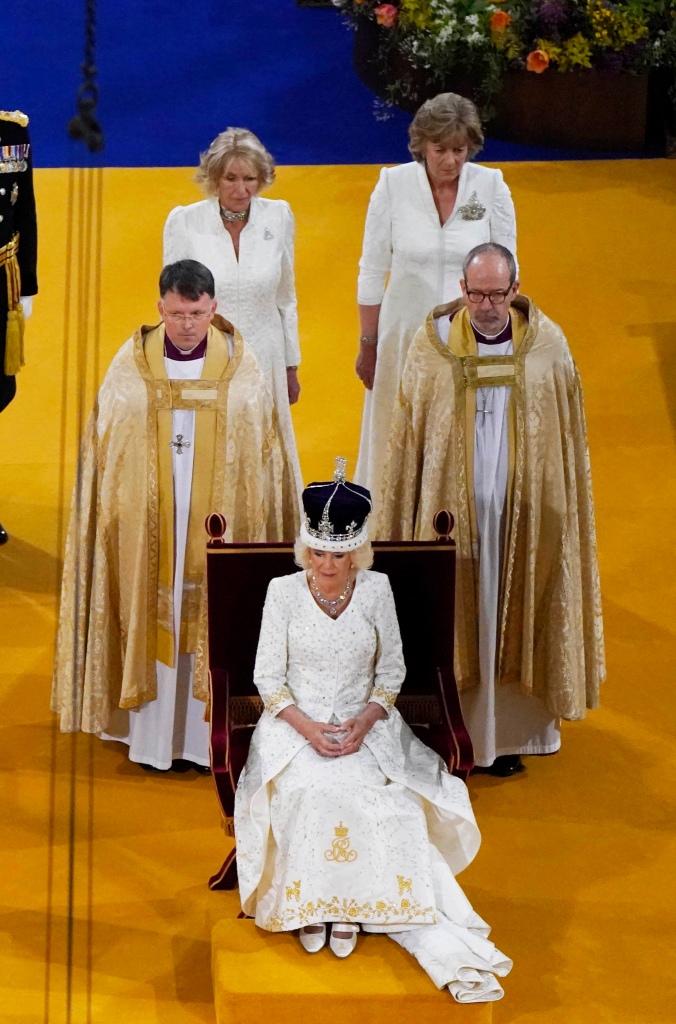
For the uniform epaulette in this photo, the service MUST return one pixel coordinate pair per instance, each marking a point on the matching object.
(14, 115)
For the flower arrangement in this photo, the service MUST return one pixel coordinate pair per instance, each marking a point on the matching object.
(479, 40)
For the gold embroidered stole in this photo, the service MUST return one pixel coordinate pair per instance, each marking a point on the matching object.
(485, 372)
(208, 397)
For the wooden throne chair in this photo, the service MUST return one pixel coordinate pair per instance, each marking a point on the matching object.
(422, 575)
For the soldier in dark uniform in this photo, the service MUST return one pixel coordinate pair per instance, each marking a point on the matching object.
(18, 249)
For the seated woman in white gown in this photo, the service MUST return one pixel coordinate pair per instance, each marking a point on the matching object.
(343, 817)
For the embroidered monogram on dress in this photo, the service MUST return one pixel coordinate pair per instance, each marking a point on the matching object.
(340, 851)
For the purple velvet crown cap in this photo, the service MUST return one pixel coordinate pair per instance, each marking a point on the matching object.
(336, 512)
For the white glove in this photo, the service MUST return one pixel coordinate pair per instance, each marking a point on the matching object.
(27, 305)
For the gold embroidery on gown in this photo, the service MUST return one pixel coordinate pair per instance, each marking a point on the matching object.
(340, 851)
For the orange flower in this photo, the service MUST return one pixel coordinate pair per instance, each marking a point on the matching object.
(500, 20)
(537, 61)
(386, 15)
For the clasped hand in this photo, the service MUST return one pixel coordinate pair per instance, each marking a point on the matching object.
(353, 732)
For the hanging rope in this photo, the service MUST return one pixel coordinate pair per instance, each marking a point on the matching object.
(84, 127)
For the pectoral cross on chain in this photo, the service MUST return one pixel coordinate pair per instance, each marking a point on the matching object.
(484, 411)
(179, 444)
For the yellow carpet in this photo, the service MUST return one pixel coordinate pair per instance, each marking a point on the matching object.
(262, 977)
(576, 873)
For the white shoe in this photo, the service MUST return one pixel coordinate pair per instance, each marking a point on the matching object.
(312, 942)
(341, 946)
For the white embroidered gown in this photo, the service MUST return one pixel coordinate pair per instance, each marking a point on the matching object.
(404, 239)
(374, 837)
(256, 291)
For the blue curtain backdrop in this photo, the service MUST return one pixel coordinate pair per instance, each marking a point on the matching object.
(172, 75)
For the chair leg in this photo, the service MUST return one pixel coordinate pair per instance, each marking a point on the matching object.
(226, 878)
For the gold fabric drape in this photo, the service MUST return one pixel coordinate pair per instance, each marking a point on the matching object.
(14, 352)
(116, 614)
(551, 628)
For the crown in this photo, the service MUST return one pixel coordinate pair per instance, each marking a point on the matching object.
(336, 512)
(341, 831)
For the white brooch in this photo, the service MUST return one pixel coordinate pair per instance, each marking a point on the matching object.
(473, 210)
(267, 234)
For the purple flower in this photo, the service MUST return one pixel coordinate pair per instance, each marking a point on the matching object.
(630, 54)
(617, 61)
(552, 16)
(610, 60)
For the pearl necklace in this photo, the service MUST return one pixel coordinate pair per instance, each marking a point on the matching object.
(331, 606)
(229, 215)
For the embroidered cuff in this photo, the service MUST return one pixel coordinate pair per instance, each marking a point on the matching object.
(276, 702)
(387, 699)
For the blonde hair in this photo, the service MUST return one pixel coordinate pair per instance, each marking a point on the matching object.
(360, 558)
(235, 143)
(445, 115)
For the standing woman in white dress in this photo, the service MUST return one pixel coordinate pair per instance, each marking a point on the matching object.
(343, 818)
(423, 219)
(247, 242)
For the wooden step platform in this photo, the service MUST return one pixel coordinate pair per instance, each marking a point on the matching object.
(265, 978)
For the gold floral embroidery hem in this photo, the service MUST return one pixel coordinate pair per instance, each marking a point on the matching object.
(405, 911)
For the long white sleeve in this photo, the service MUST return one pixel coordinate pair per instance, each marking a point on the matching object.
(503, 217)
(176, 244)
(271, 656)
(390, 669)
(376, 256)
(286, 293)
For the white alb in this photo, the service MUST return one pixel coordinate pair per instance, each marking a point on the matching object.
(500, 720)
(172, 726)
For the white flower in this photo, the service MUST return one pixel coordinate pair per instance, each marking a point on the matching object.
(472, 19)
(475, 37)
(447, 32)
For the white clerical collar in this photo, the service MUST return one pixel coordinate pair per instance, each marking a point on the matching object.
(490, 337)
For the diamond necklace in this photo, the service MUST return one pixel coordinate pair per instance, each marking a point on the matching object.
(331, 606)
(229, 215)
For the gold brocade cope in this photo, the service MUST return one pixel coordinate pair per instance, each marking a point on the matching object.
(14, 353)
(116, 611)
(550, 641)
(208, 398)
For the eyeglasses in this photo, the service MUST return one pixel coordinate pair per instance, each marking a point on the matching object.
(496, 298)
(186, 318)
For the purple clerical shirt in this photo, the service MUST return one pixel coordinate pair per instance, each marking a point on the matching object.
(172, 352)
(504, 335)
